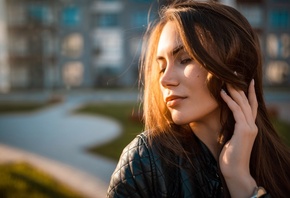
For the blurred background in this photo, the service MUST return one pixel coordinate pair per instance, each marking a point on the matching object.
(65, 64)
(52, 44)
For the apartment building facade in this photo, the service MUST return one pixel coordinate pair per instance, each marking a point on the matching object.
(97, 43)
(73, 43)
(271, 19)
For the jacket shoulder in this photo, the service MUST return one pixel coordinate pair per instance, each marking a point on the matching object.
(134, 170)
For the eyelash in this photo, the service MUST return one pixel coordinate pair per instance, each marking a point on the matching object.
(183, 62)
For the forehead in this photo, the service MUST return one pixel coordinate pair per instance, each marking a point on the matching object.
(169, 39)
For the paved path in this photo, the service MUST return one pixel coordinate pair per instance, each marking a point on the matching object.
(81, 181)
(55, 140)
(56, 133)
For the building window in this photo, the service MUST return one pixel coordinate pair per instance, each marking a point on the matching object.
(40, 14)
(71, 16)
(18, 46)
(279, 19)
(110, 47)
(278, 72)
(139, 19)
(17, 19)
(72, 45)
(278, 46)
(73, 74)
(107, 20)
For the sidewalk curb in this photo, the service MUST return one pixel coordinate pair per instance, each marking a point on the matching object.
(82, 182)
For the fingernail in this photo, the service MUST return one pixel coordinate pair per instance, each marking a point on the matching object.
(253, 82)
(224, 92)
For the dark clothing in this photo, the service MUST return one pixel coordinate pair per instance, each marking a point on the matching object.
(143, 171)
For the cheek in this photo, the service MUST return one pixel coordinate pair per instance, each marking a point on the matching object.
(195, 71)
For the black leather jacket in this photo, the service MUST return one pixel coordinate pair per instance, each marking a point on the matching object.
(143, 172)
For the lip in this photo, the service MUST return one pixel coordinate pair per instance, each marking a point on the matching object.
(173, 100)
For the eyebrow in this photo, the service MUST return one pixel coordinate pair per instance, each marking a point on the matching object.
(177, 49)
(174, 51)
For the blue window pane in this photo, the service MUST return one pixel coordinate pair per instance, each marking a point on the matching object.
(279, 19)
(107, 20)
(140, 19)
(38, 13)
(71, 16)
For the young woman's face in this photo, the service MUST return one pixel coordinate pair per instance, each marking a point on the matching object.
(183, 81)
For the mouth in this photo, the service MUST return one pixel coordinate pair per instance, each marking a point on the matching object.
(173, 100)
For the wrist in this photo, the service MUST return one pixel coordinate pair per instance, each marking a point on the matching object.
(241, 186)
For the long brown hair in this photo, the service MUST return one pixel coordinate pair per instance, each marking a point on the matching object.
(224, 43)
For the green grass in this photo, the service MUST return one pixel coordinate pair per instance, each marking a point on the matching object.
(21, 180)
(124, 114)
(283, 129)
(16, 107)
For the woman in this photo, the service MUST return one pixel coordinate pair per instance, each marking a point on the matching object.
(207, 130)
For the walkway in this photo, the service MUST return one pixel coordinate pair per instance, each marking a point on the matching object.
(55, 140)
(81, 181)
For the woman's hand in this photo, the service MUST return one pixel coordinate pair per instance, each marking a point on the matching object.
(234, 159)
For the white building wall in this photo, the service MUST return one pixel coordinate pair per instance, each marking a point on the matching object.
(110, 43)
(4, 68)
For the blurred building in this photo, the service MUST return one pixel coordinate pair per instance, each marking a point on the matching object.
(31, 42)
(47, 44)
(4, 67)
(73, 43)
(271, 19)
(117, 30)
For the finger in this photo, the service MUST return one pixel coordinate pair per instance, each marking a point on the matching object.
(240, 98)
(253, 99)
(234, 107)
(238, 95)
(245, 127)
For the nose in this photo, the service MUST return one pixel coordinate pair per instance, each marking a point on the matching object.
(169, 77)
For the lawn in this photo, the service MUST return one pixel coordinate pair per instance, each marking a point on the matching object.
(283, 129)
(16, 107)
(23, 180)
(122, 112)
(28, 106)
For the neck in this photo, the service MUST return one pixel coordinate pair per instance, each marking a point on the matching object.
(208, 133)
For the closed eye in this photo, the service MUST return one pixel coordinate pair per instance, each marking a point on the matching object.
(186, 61)
(161, 63)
